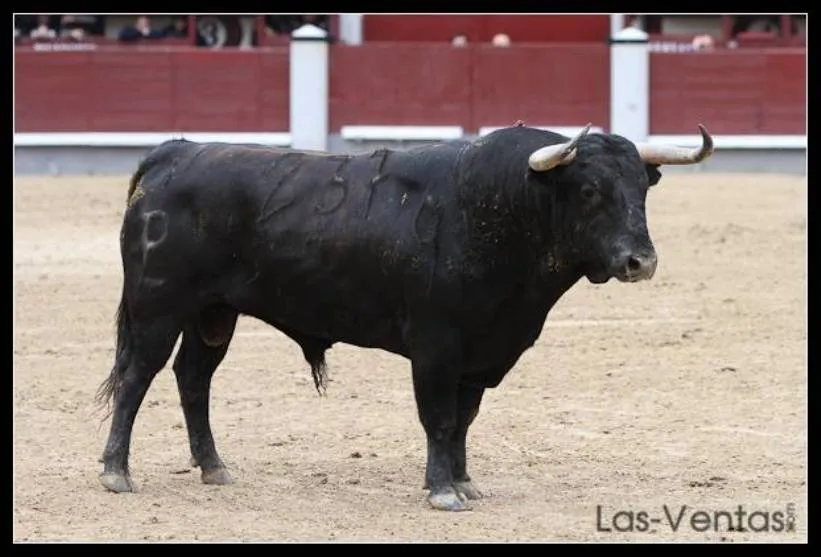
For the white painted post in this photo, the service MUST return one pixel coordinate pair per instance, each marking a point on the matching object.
(616, 24)
(309, 88)
(630, 84)
(350, 28)
(247, 25)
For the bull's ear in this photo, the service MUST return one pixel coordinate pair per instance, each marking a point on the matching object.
(653, 174)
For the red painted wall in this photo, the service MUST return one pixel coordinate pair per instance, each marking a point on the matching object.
(405, 84)
(52, 92)
(117, 89)
(534, 84)
(744, 91)
(481, 28)
(437, 84)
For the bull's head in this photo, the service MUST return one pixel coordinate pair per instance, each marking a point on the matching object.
(603, 181)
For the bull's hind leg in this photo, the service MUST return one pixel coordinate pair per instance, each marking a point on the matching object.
(149, 347)
(204, 345)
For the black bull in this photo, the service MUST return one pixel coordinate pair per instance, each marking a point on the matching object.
(450, 255)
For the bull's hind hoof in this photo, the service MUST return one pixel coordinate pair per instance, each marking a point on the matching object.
(116, 483)
(448, 499)
(216, 476)
(469, 490)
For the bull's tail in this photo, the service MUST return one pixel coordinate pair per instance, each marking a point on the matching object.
(165, 151)
(135, 179)
(111, 385)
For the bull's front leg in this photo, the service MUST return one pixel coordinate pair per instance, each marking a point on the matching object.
(468, 400)
(435, 384)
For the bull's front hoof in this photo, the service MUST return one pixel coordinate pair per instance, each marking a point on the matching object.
(117, 483)
(448, 499)
(469, 490)
(217, 476)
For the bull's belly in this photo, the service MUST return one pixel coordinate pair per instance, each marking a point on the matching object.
(330, 321)
(335, 308)
(488, 355)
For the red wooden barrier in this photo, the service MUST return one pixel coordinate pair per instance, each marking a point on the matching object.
(744, 91)
(120, 89)
(399, 84)
(52, 92)
(557, 85)
(437, 84)
(125, 89)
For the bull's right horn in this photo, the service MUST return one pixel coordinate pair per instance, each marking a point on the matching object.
(553, 155)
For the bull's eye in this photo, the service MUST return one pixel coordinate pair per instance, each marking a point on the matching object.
(589, 193)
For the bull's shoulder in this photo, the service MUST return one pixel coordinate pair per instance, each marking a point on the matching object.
(439, 150)
(426, 160)
(511, 137)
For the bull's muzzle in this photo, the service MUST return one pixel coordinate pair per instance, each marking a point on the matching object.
(635, 266)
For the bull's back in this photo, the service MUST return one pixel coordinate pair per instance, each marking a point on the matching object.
(329, 245)
(367, 216)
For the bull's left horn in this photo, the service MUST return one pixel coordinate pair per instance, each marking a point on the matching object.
(553, 155)
(671, 154)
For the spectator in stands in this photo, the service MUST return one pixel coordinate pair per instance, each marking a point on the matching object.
(23, 25)
(500, 39)
(320, 20)
(277, 25)
(44, 29)
(177, 28)
(459, 40)
(703, 42)
(284, 25)
(78, 26)
(140, 30)
(753, 22)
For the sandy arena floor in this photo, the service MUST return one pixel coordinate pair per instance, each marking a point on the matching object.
(688, 390)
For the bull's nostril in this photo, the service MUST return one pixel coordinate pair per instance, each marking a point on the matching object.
(633, 263)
